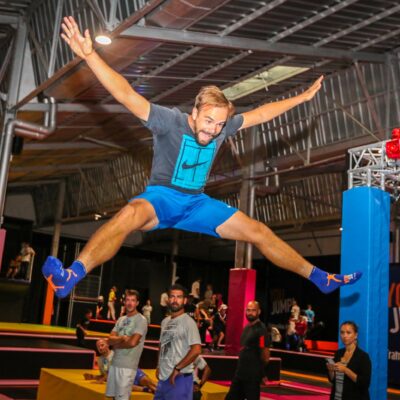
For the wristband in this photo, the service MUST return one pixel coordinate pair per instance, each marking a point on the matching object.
(146, 389)
(178, 369)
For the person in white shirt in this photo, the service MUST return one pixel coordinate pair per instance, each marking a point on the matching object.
(142, 382)
(195, 292)
(27, 255)
(164, 304)
(147, 310)
(295, 310)
(127, 340)
(180, 345)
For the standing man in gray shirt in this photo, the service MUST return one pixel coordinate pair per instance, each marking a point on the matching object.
(127, 340)
(179, 346)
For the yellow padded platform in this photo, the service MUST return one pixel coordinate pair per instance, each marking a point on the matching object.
(43, 329)
(69, 384)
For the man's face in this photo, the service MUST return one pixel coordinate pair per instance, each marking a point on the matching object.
(102, 347)
(208, 123)
(131, 302)
(176, 300)
(252, 311)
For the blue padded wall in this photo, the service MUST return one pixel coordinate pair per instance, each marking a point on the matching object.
(365, 247)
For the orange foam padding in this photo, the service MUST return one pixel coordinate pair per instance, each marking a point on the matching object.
(320, 345)
(48, 306)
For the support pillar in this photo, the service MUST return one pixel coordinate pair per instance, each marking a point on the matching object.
(16, 68)
(2, 243)
(242, 289)
(242, 281)
(49, 300)
(365, 247)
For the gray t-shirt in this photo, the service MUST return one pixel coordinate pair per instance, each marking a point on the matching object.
(177, 335)
(104, 363)
(179, 161)
(129, 358)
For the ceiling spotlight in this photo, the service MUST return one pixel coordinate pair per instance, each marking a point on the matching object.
(103, 39)
(97, 217)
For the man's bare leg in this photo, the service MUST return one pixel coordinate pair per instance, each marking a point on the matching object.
(103, 245)
(243, 228)
(107, 240)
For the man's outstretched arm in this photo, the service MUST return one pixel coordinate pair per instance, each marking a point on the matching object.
(114, 82)
(269, 111)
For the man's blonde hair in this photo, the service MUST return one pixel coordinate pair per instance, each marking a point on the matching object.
(213, 96)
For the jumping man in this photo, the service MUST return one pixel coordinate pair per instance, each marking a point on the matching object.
(185, 146)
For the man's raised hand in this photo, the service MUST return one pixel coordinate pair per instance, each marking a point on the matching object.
(82, 46)
(313, 89)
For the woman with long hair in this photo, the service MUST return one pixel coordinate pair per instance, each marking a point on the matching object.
(350, 370)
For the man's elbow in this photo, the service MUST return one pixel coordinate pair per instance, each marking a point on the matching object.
(197, 349)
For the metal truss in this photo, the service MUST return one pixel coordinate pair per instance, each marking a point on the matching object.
(370, 166)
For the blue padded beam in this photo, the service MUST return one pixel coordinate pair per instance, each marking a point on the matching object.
(365, 247)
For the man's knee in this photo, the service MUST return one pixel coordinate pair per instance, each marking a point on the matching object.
(259, 231)
(138, 212)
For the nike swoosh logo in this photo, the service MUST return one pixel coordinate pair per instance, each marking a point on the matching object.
(185, 165)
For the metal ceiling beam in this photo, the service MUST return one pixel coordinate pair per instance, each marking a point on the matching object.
(225, 32)
(210, 71)
(42, 146)
(59, 167)
(362, 24)
(287, 32)
(33, 183)
(190, 22)
(135, 17)
(6, 60)
(331, 38)
(315, 18)
(8, 19)
(238, 43)
(84, 108)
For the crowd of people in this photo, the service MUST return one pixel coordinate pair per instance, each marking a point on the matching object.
(181, 342)
(180, 347)
(208, 311)
(181, 370)
(300, 324)
(180, 350)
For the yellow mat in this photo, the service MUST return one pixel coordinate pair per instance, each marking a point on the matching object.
(43, 329)
(69, 384)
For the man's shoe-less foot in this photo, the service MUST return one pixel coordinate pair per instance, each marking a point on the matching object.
(327, 282)
(60, 279)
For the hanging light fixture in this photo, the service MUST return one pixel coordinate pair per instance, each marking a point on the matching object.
(103, 38)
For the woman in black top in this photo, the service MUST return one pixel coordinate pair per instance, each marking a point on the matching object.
(351, 371)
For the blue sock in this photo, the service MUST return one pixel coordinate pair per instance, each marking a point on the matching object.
(60, 279)
(327, 282)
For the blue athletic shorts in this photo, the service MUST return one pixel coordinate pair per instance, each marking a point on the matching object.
(139, 375)
(190, 212)
(182, 390)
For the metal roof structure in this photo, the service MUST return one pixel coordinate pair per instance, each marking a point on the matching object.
(168, 49)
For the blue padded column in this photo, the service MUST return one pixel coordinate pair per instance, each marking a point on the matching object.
(365, 247)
